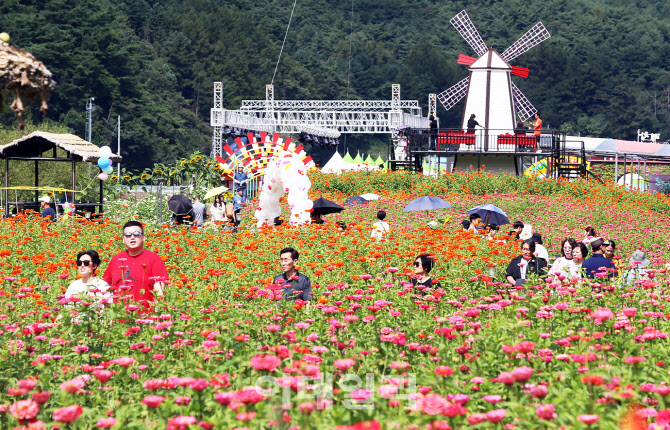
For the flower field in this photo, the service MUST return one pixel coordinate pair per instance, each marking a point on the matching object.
(220, 352)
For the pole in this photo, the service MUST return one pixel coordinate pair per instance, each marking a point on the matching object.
(616, 167)
(118, 146)
(89, 117)
(160, 200)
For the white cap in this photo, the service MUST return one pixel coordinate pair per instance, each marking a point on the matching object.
(45, 199)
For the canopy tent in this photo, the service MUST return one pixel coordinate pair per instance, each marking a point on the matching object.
(33, 148)
(347, 158)
(335, 165)
(358, 159)
(369, 161)
(338, 164)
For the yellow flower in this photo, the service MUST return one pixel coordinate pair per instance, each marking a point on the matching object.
(198, 157)
(114, 178)
(159, 171)
(193, 160)
(183, 163)
(217, 166)
(50, 194)
(127, 178)
(144, 176)
(208, 164)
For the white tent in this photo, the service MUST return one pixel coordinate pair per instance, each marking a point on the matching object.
(336, 164)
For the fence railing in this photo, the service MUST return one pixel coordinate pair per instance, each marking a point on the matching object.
(480, 140)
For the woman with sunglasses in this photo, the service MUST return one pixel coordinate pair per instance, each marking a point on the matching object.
(421, 279)
(88, 288)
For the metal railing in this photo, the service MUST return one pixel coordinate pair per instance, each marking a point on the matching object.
(482, 141)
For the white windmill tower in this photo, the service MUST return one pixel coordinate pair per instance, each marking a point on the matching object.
(489, 91)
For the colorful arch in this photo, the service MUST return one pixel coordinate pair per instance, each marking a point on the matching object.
(257, 153)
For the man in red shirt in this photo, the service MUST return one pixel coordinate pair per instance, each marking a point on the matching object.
(136, 271)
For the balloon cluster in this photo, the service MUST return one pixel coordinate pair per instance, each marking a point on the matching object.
(68, 210)
(104, 162)
(285, 174)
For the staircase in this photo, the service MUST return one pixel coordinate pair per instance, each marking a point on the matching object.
(569, 164)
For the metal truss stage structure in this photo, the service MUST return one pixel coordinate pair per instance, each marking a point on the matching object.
(319, 117)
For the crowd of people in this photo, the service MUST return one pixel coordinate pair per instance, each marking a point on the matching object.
(139, 275)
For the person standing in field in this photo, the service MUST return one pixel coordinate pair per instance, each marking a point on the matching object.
(136, 270)
(199, 210)
(537, 126)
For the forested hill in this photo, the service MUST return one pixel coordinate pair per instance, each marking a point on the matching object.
(604, 72)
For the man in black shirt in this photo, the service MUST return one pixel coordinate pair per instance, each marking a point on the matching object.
(295, 285)
(433, 132)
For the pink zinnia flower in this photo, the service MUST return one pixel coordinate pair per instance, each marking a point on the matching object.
(306, 408)
(361, 395)
(476, 419)
(265, 362)
(41, 397)
(106, 423)
(432, 404)
(73, 385)
(506, 378)
(68, 414)
(496, 415)
(546, 412)
(344, 364)
(444, 370)
(588, 419)
(124, 361)
(153, 401)
(182, 421)
(522, 374)
(602, 314)
(492, 398)
(24, 409)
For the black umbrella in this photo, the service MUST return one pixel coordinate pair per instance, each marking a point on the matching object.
(355, 200)
(180, 204)
(325, 207)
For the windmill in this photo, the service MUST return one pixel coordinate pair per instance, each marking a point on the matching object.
(489, 91)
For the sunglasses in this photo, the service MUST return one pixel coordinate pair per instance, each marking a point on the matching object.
(84, 262)
(417, 264)
(135, 233)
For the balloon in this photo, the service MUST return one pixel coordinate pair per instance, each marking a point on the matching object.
(110, 162)
(105, 152)
(103, 162)
(108, 170)
(103, 176)
(283, 175)
(4, 37)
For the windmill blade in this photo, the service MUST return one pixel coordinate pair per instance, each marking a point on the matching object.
(533, 37)
(454, 94)
(466, 28)
(524, 108)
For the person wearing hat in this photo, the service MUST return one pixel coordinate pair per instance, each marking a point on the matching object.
(465, 224)
(593, 265)
(47, 211)
(540, 250)
(638, 264)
